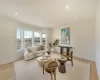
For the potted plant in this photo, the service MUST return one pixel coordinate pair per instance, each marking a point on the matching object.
(53, 45)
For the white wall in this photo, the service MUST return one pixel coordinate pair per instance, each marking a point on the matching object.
(8, 27)
(49, 37)
(7, 40)
(82, 35)
(98, 39)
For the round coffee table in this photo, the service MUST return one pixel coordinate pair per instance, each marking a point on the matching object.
(62, 67)
(42, 60)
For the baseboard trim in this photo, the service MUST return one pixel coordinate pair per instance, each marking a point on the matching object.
(83, 60)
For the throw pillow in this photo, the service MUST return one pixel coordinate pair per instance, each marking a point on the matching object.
(42, 47)
(29, 50)
(38, 48)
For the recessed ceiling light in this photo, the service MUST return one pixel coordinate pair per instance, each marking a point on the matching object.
(67, 7)
(16, 13)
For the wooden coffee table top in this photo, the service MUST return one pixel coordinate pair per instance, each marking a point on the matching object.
(43, 59)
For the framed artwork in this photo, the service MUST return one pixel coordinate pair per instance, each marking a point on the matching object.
(65, 36)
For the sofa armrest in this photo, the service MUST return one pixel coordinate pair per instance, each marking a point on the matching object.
(29, 54)
(25, 53)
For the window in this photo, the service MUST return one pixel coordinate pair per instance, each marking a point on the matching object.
(44, 39)
(36, 38)
(18, 39)
(27, 38)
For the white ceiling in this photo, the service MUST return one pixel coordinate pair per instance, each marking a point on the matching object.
(49, 13)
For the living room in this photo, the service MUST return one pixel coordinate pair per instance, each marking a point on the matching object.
(28, 24)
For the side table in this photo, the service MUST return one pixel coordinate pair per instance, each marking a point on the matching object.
(62, 67)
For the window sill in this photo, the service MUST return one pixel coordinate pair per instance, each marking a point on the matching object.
(19, 50)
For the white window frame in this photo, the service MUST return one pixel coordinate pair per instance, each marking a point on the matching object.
(45, 38)
(33, 43)
(21, 35)
(40, 36)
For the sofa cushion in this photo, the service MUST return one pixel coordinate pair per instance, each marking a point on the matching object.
(38, 48)
(42, 47)
(32, 49)
(29, 51)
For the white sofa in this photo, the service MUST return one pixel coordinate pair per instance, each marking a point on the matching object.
(33, 53)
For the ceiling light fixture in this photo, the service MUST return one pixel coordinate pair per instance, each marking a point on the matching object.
(67, 7)
(16, 13)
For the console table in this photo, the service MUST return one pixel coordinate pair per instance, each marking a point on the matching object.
(67, 49)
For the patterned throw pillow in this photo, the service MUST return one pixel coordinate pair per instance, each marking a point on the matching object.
(29, 50)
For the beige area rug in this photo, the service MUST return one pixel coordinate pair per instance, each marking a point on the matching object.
(30, 70)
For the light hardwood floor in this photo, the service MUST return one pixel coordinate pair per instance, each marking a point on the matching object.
(93, 71)
(7, 71)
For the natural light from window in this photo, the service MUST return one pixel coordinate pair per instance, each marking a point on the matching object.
(28, 38)
(18, 39)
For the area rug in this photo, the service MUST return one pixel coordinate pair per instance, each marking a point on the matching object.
(30, 70)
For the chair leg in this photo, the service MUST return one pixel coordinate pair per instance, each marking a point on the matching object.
(54, 75)
(43, 69)
(51, 76)
(72, 62)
